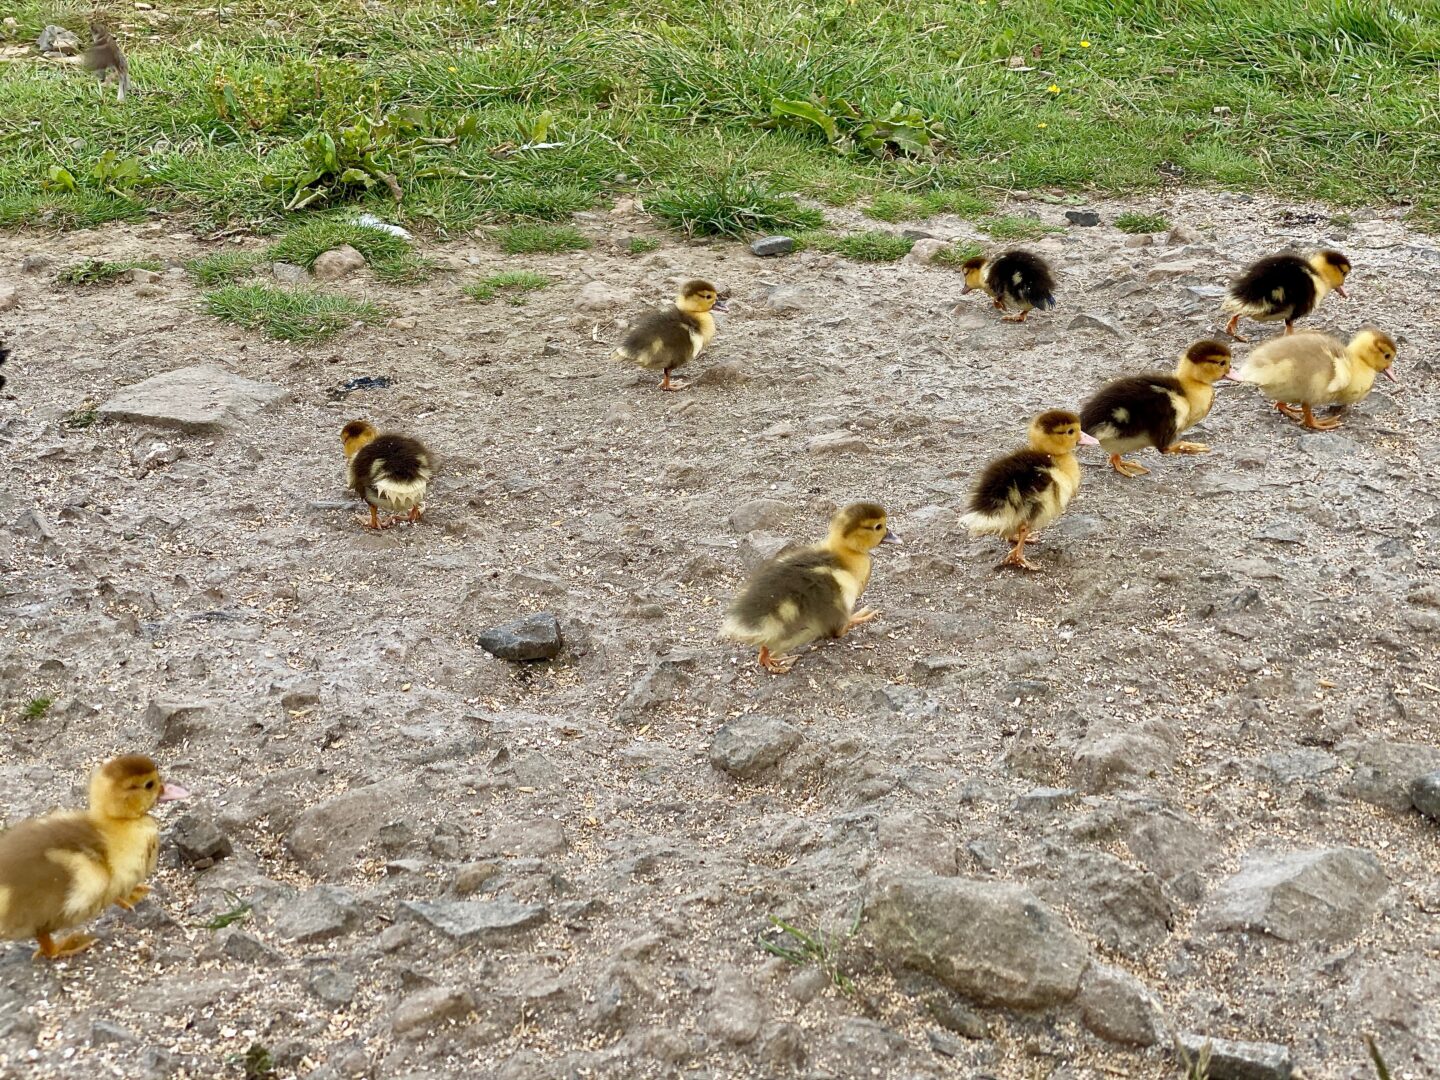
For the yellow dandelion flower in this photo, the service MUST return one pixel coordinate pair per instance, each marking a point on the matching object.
(1084, 44)
(1042, 124)
(453, 68)
(1053, 88)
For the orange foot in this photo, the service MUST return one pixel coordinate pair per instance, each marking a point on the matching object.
(864, 615)
(133, 897)
(1308, 418)
(776, 665)
(666, 384)
(1232, 328)
(1016, 318)
(373, 521)
(1127, 468)
(58, 950)
(1185, 448)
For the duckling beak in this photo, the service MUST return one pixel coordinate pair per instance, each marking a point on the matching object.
(1088, 440)
(1390, 375)
(890, 537)
(1233, 376)
(1340, 290)
(966, 291)
(721, 305)
(173, 793)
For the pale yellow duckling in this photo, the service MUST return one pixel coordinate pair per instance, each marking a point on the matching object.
(63, 869)
(1314, 369)
(670, 337)
(804, 595)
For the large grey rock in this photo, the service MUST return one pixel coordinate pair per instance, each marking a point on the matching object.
(337, 263)
(1324, 895)
(1425, 794)
(426, 1009)
(1241, 1060)
(317, 914)
(1384, 771)
(200, 398)
(768, 246)
(748, 746)
(1123, 908)
(199, 840)
(1104, 762)
(735, 1012)
(535, 637)
(327, 839)
(990, 941)
(1083, 218)
(56, 39)
(1117, 1006)
(474, 920)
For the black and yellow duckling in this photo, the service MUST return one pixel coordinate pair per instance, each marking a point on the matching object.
(4, 355)
(1019, 494)
(1153, 410)
(1316, 369)
(390, 472)
(1017, 279)
(1285, 287)
(804, 595)
(63, 869)
(670, 337)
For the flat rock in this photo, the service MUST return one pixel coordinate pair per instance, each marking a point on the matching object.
(56, 39)
(201, 398)
(1241, 1060)
(337, 263)
(1083, 218)
(474, 920)
(990, 941)
(1323, 895)
(199, 840)
(768, 246)
(535, 637)
(533, 838)
(924, 250)
(1425, 794)
(1095, 322)
(327, 839)
(1169, 271)
(759, 514)
(597, 296)
(317, 914)
(749, 745)
(837, 442)
(799, 298)
(1119, 1008)
(414, 1015)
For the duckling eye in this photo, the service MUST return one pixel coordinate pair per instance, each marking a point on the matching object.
(149, 784)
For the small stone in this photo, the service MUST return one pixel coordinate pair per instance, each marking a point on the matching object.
(175, 722)
(767, 246)
(199, 840)
(1104, 762)
(425, 1009)
(726, 373)
(1116, 1006)
(9, 296)
(1095, 322)
(203, 398)
(535, 637)
(1323, 895)
(748, 746)
(1083, 218)
(1045, 800)
(337, 263)
(1241, 1060)
(472, 877)
(35, 264)
(56, 39)
(1425, 794)
(735, 1012)
(333, 986)
(837, 442)
(1203, 294)
(317, 914)
(954, 1016)
(140, 276)
(289, 273)
(327, 839)
(532, 838)
(1139, 240)
(104, 1033)
(797, 298)
(924, 251)
(759, 514)
(149, 289)
(150, 452)
(597, 296)
(1182, 235)
(473, 920)
(918, 234)
(1172, 270)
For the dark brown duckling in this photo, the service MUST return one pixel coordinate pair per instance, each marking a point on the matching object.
(390, 472)
(1017, 279)
(1285, 286)
(670, 337)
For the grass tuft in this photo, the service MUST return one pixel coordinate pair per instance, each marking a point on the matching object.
(1017, 228)
(100, 272)
(733, 208)
(641, 245)
(35, 708)
(871, 246)
(1141, 223)
(301, 315)
(516, 283)
(391, 258)
(530, 239)
(224, 266)
(802, 948)
(956, 254)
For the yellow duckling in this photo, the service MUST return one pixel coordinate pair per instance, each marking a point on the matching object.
(63, 869)
(1019, 494)
(1316, 369)
(670, 337)
(804, 595)
(1017, 279)
(388, 471)
(1285, 287)
(1153, 410)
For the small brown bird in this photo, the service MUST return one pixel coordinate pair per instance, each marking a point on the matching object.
(1017, 279)
(63, 869)
(1285, 287)
(804, 595)
(1019, 494)
(106, 60)
(670, 337)
(388, 471)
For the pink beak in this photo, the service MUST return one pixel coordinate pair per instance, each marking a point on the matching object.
(1088, 440)
(1390, 375)
(1232, 376)
(173, 793)
(1341, 290)
(966, 291)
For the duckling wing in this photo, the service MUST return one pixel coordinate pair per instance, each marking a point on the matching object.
(1010, 492)
(1141, 410)
(793, 600)
(1024, 279)
(662, 340)
(1297, 367)
(392, 471)
(53, 873)
(1275, 285)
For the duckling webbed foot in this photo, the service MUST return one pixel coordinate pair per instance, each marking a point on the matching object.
(666, 384)
(372, 521)
(51, 949)
(776, 664)
(1233, 328)
(1185, 448)
(133, 897)
(1127, 468)
(1016, 558)
(864, 615)
(1309, 420)
(1016, 318)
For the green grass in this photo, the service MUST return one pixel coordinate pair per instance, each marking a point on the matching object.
(733, 208)
(100, 272)
(391, 258)
(224, 266)
(1016, 228)
(893, 206)
(956, 254)
(35, 708)
(527, 239)
(803, 948)
(298, 315)
(1141, 223)
(872, 246)
(640, 245)
(516, 283)
(81, 418)
(526, 110)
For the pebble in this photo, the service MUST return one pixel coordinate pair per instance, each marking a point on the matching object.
(535, 637)
(35, 264)
(1083, 218)
(1139, 240)
(735, 1013)
(837, 442)
(759, 514)
(337, 263)
(924, 251)
(289, 273)
(748, 746)
(199, 840)
(1241, 1060)
(428, 1008)
(1095, 322)
(1425, 794)
(768, 246)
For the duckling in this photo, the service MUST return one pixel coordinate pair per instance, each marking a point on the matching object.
(801, 596)
(1018, 279)
(1317, 369)
(389, 471)
(1152, 410)
(4, 355)
(63, 869)
(1019, 494)
(1285, 287)
(670, 337)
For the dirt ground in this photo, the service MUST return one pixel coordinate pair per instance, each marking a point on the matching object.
(1265, 616)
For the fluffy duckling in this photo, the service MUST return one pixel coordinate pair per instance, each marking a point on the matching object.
(1316, 369)
(1153, 410)
(670, 337)
(1019, 494)
(1018, 279)
(4, 355)
(63, 869)
(388, 471)
(804, 595)
(1285, 287)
